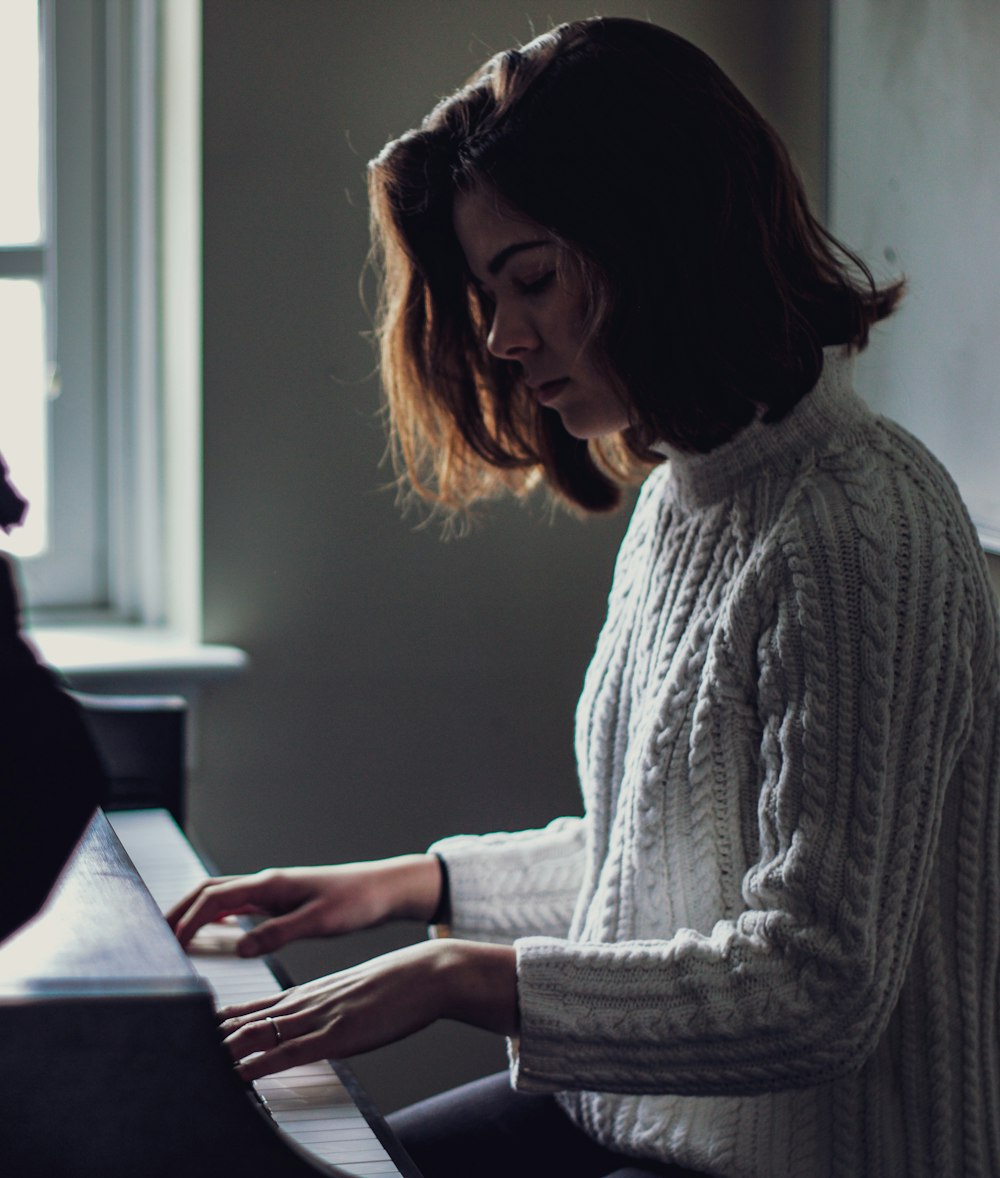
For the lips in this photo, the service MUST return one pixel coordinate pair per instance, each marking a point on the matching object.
(548, 390)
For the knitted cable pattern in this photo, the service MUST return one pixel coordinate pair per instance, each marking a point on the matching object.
(770, 946)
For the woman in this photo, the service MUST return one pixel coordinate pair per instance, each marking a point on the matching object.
(768, 947)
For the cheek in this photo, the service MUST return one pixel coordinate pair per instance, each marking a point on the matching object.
(569, 323)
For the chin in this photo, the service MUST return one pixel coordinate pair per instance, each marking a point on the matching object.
(587, 429)
(591, 412)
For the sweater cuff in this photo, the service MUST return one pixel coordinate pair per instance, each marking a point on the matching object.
(504, 886)
(439, 924)
(534, 1052)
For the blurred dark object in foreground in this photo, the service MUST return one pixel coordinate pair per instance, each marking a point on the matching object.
(51, 778)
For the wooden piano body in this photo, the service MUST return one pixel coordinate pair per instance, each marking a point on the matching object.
(112, 1063)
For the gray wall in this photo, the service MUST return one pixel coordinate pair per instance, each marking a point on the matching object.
(915, 164)
(400, 687)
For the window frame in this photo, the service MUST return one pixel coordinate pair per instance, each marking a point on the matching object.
(100, 263)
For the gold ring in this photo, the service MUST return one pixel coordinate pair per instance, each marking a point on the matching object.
(278, 1039)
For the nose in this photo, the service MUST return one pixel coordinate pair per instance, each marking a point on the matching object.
(512, 334)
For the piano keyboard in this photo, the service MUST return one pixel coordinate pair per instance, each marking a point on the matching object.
(310, 1103)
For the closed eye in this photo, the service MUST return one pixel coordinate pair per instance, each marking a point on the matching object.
(537, 285)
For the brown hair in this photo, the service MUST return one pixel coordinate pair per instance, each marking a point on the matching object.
(713, 288)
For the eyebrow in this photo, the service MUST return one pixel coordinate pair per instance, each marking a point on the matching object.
(498, 261)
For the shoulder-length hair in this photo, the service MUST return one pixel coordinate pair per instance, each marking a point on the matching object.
(712, 287)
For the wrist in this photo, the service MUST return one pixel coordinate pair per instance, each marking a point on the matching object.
(478, 983)
(413, 884)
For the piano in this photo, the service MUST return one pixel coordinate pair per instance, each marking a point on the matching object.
(112, 1062)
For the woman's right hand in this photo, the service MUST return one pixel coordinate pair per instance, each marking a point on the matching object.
(312, 901)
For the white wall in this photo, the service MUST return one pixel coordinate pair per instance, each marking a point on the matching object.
(400, 687)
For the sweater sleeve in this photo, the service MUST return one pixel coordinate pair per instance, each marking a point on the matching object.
(506, 885)
(862, 684)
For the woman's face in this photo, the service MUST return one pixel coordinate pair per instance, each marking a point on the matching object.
(536, 299)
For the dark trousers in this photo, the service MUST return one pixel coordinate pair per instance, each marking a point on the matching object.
(487, 1130)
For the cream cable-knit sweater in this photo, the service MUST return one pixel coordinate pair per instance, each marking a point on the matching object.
(770, 947)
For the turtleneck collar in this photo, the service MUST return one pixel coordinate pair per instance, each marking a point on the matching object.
(777, 448)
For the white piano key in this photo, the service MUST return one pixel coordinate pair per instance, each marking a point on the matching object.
(347, 1148)
(335, 1116)
(373, 1169)
(326, 1130)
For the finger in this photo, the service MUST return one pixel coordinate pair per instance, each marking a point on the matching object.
(292, 1053)
(284, 1002)
(257, 1033)
(265, 1030)
(234, 1016)
(181, 907)
(271, 934)
(227, 897)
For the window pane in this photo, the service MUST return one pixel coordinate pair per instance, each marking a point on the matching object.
(20, 205)
(23, 408)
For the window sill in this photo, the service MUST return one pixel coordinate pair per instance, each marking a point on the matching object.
(134, 659)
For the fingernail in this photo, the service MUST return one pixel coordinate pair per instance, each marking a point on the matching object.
(247, 947)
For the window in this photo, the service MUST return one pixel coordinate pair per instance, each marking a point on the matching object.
(84, 422)
(23, 259)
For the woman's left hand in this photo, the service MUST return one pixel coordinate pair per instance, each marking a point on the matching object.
(374, 1003)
